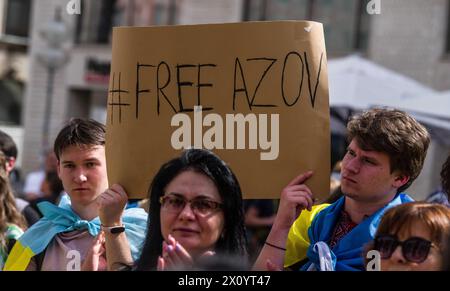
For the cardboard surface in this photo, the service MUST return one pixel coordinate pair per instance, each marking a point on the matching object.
(259, 72)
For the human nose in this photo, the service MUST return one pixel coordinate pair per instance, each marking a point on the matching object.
(187, 212)
(397, 256)
(80, 177)
(351, 164)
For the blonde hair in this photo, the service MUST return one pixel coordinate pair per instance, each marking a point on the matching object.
(8, 211)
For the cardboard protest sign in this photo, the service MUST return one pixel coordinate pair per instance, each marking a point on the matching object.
(254, 93)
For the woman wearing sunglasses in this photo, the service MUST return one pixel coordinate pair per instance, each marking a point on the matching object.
(411, 237)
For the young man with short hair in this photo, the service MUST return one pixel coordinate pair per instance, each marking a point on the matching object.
(66, 238)
(386, 153)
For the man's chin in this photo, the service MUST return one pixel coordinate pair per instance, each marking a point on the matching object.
(348, 193)
(84, 201)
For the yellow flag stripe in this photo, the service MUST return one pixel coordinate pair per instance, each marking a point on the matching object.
(298, 239)
(19, 258)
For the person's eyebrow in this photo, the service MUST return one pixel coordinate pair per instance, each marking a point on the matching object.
(370, 158)
(205, 197)
(350, 149)
(176, 194)
(201, 196)
(92, 160)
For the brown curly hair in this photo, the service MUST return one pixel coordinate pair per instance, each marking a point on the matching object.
(445, 176)
(8, 211)
(395, 133)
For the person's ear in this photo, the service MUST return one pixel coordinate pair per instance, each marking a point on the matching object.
(58, 170)
(10, 164)
(400, 180)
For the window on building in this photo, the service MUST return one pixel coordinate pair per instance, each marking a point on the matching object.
(17, 17)
(159, 16)
(163, 12)
(361, 28)
(346, 22)
(11, 94)
(448, 29)
(94, 24)
(110, 16)
(259, 10)
(98, 17)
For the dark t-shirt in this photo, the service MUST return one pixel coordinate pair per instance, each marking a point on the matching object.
(31, 215)
(266, 207)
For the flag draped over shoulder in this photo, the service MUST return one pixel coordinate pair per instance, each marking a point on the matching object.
(298, 240)
(58, 219)
(310, 234)
(347, 254)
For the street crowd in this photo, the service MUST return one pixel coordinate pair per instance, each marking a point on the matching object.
(196, 220)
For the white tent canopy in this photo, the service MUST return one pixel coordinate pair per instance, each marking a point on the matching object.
(357, 84)
(431, 110)
(436, 105)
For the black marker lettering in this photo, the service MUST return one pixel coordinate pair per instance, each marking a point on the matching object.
(200, 85)
(160, 89)
(138, 89)
(181, 84)
(244, 89)
(119, 104)
(282, 79)
(312, 96)
(272, 61)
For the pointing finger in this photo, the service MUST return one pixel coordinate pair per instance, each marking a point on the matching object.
(301, 178)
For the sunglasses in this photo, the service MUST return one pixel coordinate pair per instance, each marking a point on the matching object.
(199, 206)
(414, 249)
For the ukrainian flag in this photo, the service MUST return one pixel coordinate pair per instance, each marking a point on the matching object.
(298, 240)
(62, 219)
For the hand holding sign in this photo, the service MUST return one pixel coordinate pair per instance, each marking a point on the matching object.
(294, 198)
(111, 204)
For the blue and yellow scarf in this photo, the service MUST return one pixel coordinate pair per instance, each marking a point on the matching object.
(347, 254)
(58, 219)
(313, 230)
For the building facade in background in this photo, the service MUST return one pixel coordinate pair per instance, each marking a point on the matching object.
(15, 18)
(411, 37)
